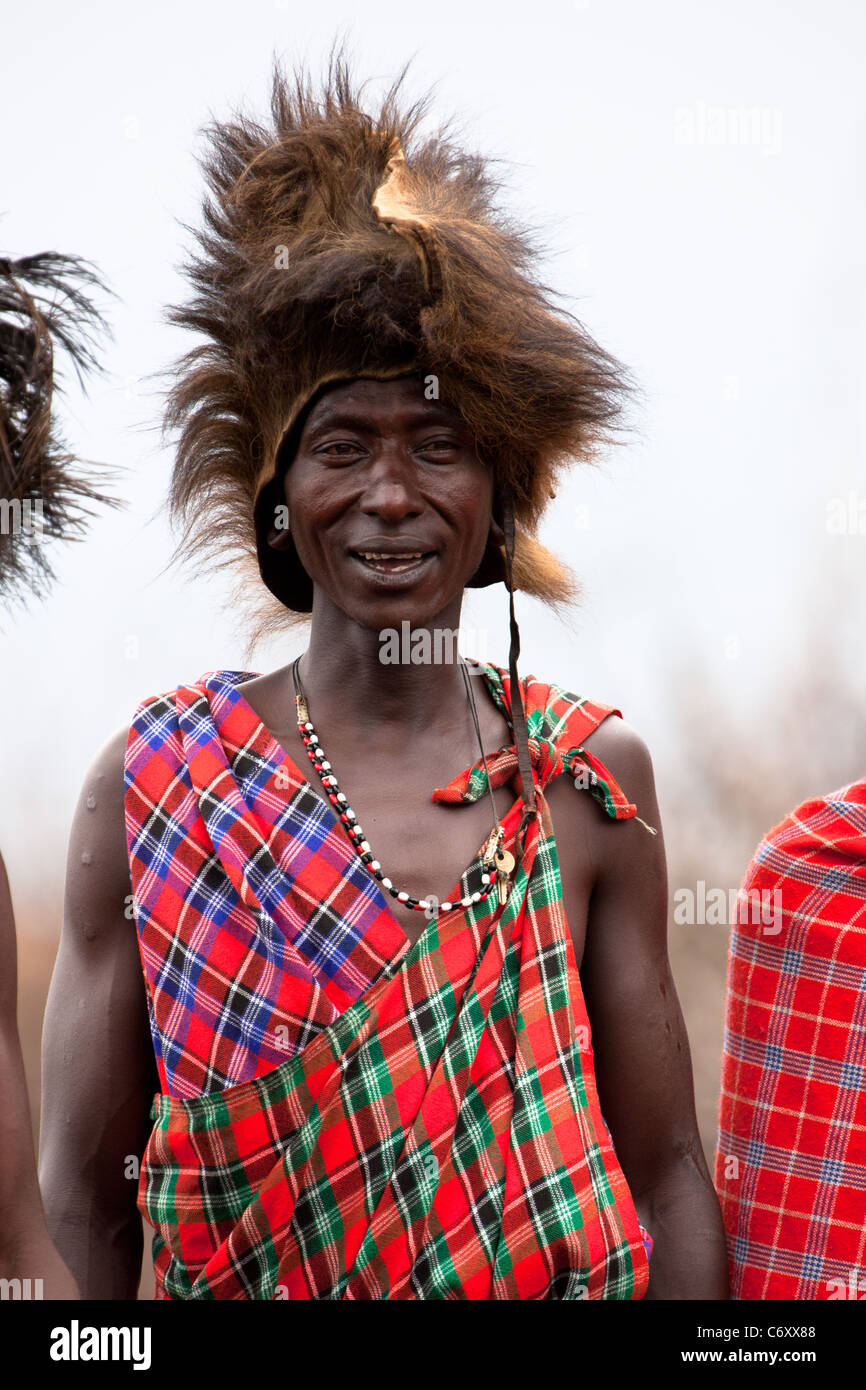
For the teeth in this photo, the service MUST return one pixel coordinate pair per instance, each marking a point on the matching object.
(376, 555)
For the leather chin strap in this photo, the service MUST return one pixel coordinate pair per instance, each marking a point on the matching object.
(518, 714)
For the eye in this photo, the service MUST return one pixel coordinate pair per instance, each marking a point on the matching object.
(439, 447)
(339, 451)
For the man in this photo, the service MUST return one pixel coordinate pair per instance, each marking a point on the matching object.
(791, 1159)
(44, 493)
(388, 1063)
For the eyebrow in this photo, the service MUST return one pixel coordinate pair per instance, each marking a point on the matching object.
(344, 418)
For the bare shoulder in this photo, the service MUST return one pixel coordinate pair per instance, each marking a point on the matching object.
(97, 874)
(105, 773)
(625, 754)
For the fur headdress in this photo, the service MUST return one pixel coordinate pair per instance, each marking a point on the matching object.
(45, 491)
(338, 244)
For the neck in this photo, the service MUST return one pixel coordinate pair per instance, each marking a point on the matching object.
(346, 664)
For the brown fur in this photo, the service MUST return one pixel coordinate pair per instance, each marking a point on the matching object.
(35, 465)
(356, 299)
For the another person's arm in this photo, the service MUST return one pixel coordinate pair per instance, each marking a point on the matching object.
(26, 1251)
(98, 1070)
(642, 1059)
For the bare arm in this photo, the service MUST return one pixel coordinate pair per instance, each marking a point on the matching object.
(98, 1069)
(26, 1251)
(643, 1064)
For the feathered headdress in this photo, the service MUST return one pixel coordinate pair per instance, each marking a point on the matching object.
(45, 491)
(338, 244)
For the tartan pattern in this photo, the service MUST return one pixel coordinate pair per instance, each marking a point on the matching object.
(793, 1099)
(256, 928)
(548, 759)
(431, 1128)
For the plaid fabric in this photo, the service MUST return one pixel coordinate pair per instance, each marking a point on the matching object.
(791, 1158)
(548, 761)
(344, 1115)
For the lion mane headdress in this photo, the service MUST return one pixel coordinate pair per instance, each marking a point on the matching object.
(340, 244)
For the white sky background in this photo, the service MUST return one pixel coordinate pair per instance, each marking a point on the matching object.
(728, 276)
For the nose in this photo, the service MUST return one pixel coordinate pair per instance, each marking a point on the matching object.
(392, 485)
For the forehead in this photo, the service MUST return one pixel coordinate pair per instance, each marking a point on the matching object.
(399, 398)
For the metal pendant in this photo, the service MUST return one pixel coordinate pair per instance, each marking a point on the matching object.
(490, 852)
(505, 862)
(504, 867)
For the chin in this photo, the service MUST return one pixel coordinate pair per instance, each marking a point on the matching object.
(392, 611)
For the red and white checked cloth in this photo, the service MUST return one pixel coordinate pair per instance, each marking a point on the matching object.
(791, 1158)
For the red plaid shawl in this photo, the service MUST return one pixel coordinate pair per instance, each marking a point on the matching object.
(791, 1161)
(346, 1116)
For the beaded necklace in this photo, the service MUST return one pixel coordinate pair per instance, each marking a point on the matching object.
(498, 863)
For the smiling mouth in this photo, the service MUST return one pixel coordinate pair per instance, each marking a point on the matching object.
(400, 563)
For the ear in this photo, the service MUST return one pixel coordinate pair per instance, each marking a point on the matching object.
(279, 536)
(279, 566)
(497, 535)
(492, 567)
(279, 539)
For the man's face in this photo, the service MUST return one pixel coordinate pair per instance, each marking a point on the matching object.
(389, 505)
